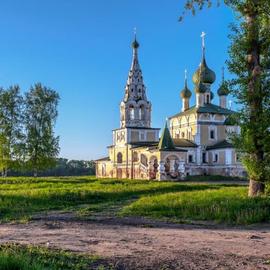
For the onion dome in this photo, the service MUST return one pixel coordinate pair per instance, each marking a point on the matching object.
(200, 88)
(135, 44)
(223, 89)
(185, 93)
(204, 73)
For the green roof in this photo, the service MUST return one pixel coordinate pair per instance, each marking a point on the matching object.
(207, 108)
(220, 145)
(166, 142)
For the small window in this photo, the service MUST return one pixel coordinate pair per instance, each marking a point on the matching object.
(212, 134)
(207, 99)
(216, 158)
(132, 112)
(204, 157)
(183, 134)
(190, 158)
(119, 158)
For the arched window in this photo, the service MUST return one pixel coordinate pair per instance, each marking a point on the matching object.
(119, 158)
(141, 112)
(103, 169)
(144, 160)
(135, 157)
(131, 112)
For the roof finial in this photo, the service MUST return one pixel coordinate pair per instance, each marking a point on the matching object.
(223, 77)
(135, 32)
(135, 43)
(203, 40)
(186, 77)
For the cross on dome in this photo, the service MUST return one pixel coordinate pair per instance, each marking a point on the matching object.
(203, 39)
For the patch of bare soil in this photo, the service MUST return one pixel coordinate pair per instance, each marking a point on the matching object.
(141, 244)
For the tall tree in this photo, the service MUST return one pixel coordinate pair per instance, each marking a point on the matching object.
(42, 146)
(11, 129)
(250, 62)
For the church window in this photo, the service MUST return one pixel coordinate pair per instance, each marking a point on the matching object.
(212, 134)
(135, 157)
(141, 112)
(216, 158)
(183, 134)
(103, 169)
(204, 157)
(190, 158)
(119, 158)
(144, 160)
(132, 112)
(207, 99)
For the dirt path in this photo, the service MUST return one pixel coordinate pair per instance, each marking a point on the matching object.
(138, 244)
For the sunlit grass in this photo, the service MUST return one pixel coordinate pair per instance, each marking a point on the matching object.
(21, 198)
(228, 204)
(18, 257)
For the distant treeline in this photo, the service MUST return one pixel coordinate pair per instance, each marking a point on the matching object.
(64, 167)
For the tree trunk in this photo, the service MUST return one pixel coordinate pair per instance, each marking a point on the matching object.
(255, 188)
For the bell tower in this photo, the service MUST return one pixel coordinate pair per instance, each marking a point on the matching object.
(135, 109)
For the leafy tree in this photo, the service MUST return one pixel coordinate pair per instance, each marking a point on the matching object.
(42, 146)
(11, 128)
(250, 62)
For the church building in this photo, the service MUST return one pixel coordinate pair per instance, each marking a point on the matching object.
(195, 141)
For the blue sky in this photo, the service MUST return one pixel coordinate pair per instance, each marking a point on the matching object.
(81, 48)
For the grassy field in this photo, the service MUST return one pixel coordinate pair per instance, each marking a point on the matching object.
(21, 198)
(18, 257)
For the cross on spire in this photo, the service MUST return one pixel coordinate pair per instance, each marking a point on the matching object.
(135, 32)
(186, 77)
(223, 77)
(203, 39)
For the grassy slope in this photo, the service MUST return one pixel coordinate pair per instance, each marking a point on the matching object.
(22, 197)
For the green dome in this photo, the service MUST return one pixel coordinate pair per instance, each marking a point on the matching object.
(135, 44)
(200, 88)
(223, 90)
(204, 74)
(185, 93)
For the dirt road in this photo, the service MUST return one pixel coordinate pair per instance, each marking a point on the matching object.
(139, 244)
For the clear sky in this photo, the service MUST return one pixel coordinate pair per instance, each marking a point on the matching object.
(81, 48)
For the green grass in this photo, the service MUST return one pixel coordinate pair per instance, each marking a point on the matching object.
(225, 205)
(18, 257)
(21, 198)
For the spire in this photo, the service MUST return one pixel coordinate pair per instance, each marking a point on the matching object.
(203, 45)
(185, 93)
(186, 78)
(204, 74)
(223, 89)
(135, 88)
(166, 141)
